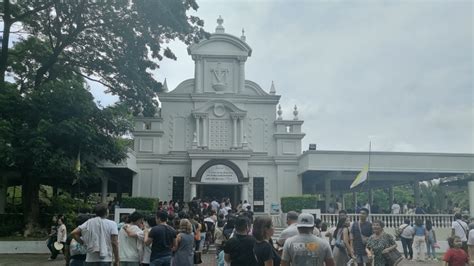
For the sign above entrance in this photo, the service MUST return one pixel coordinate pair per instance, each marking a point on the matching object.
(219, 174)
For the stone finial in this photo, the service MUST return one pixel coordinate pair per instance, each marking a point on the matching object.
(272, 89)
(165, 86)
(295, 113)
(140, 109)
(243, 38)
(279, 112)
(220, 28)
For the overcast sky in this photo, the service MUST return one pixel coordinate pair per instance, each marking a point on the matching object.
(396, 73)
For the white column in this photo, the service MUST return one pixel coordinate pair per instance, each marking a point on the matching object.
(470, 187)
(241, 76)
(241, 130)
(327, 190)
(204, 131)
(244, 193)
(234, 139)
(193, 191)
(198, 130)
(104, 189)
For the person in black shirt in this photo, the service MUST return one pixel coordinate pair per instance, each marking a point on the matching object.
(263, 249)
(238, 250)
(163, 238)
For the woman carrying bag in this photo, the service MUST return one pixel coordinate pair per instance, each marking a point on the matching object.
(381, 247)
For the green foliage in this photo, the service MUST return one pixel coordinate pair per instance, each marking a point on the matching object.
(139, 203)
(297, 203)
(117, 42)
(66, 205)
(48, 116)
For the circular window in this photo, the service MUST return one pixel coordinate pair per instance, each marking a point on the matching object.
(219, 110)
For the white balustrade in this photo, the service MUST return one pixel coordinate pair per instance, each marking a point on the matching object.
(395, 220)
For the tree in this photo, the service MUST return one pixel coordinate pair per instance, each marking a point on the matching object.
(115, 43)
(47, 116)
(51, 125)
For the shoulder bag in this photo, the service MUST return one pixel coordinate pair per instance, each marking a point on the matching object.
(393, 257)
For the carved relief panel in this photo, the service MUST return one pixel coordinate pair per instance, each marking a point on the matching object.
(219, 76)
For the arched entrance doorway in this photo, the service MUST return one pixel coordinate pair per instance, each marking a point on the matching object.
(218, 192)
(221, 179)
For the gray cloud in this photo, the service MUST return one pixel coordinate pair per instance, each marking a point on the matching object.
(398, 73)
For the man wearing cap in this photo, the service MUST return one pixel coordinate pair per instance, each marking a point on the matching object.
(291, 230)
(306, 249)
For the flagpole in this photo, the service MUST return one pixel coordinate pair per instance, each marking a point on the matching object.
(368, 173)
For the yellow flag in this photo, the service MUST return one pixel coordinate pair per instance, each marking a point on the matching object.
(361, 177)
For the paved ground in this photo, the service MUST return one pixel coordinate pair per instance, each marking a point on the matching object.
(42, 260)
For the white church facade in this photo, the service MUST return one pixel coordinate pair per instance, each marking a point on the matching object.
(218, 134)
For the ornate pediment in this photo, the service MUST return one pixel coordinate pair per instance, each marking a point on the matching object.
(219, 108)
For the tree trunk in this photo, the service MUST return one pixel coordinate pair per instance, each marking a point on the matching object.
(30, 201)
(6, 38)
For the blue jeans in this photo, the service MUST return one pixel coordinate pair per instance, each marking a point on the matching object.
(430, 250)
(74, 262)
(407, 247)
(163, 261)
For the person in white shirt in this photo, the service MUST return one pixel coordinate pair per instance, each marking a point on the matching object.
(100, 235)
(215, 205)
(131, 239)
(405, 208)
(395, 207)
(459, 228)
(60, 237)
(291, 230)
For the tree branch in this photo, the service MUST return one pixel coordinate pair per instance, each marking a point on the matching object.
(32, 12)
(95, 80)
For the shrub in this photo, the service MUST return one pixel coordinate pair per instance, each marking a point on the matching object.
(297, 203)
(143, 204)
(63, 204)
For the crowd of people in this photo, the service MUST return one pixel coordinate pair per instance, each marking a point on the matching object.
(178, 235)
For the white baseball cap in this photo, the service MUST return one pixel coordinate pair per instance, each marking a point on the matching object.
(305, 220)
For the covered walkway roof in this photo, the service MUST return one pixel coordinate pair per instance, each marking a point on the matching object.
(386, 168)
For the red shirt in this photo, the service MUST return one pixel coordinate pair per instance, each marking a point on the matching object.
(456, 257)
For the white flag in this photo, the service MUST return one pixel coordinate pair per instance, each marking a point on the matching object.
(361, 177)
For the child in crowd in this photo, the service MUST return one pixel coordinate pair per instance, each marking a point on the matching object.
(430, 241)
(455, 255)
